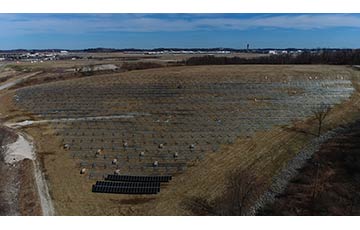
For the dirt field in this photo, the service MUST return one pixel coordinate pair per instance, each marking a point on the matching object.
(251, 109)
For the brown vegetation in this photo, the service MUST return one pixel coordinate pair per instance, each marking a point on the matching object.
(242, 188)
(328, 184)
(29, 203)
(343, 57)
(6, 137)
(140, 65)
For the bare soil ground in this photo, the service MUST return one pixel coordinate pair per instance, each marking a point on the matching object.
(8, 190)
(18, 194)
(29, 203)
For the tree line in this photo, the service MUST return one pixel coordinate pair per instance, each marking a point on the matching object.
(342, 57)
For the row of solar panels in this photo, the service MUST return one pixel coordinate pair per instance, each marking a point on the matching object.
(127, 178)
(125, 190)
(128, 184)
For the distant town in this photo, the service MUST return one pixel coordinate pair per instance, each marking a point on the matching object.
(38, 55)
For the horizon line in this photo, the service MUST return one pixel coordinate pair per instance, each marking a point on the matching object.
(180, 48)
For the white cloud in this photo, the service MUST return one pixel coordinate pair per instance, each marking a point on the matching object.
(86, 23)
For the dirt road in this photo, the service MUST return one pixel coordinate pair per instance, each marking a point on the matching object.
(30, 122)
(17, 81)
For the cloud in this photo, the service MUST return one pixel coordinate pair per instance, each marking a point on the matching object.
(22, 24)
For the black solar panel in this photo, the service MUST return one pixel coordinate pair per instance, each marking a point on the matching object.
(127, 178)
(127, 184)
(125, 190)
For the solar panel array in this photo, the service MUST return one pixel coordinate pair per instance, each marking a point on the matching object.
(125, 184)
(148, 125)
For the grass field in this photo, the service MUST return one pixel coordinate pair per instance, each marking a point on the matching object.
(238, 116)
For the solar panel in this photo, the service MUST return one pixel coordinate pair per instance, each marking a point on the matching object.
(127, 184)
(125, 189)
(128, 178)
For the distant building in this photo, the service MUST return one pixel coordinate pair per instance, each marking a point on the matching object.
(272, 52)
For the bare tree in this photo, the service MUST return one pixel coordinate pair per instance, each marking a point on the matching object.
(242, 188)
(320, 114)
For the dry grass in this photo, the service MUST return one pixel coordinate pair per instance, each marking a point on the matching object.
(55, 65)
(29, 201)
(328, 183)
(266, 153)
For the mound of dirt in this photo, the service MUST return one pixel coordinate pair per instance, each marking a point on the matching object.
(99, 68)
(19, 150)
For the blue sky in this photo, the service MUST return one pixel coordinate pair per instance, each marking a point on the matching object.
(78, 31)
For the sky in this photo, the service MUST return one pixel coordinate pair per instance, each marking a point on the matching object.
(79, 31)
